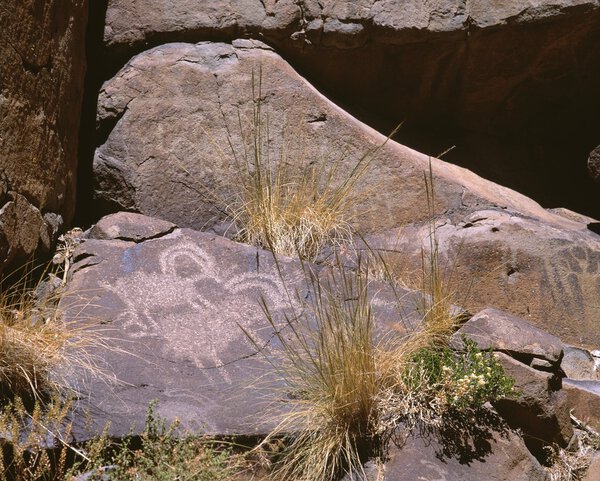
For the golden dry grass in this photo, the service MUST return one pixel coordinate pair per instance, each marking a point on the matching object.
(348, 390)
(292, 206)
(39, 351)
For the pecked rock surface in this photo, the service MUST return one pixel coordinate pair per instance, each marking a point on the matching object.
(175, 308)
(172, 305)
(511, 84)
(191, 95)
(510, 253)
(535, 270)
(41, 89)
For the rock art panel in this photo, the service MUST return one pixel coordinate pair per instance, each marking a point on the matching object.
(492, 258)
(193, 96)
(495, 79)
(176, 311)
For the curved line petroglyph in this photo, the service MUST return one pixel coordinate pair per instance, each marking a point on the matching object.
(197, 305)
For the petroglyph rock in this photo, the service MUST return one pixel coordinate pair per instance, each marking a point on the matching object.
(192, 94)
(178, 310)
(518, 117)
(544, 274)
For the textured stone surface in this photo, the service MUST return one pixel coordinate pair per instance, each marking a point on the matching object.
(191, 95)
(495, 79)
(548, 276)
(583, 398)
(501, 331)
(41, 84)
(578, 363)
(593, 164)
(130, 226)
(539, 411)
(174, 310)
(593, 473)
(421, 458)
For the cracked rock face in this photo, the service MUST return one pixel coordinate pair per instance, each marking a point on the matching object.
(168, 113)
(511, 84)
(494, 456)
(41, 88)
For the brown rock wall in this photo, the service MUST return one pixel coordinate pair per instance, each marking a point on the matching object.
(41, 88)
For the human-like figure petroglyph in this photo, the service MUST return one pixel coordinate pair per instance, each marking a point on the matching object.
(197, 305)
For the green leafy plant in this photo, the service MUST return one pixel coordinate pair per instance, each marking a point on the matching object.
(438, 382)
(38, 447)
(162, 454)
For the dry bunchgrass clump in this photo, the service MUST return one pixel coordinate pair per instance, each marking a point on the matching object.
(38, 349)
(350, 390)
(329, 366)
(291, 206)
(282, 201)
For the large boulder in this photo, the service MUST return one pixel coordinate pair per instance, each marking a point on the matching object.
(191, 95)
(512, 84)
(176, 309)
(180, 320)
(42, 47)
(508, 251)
(500, 331)
(531, 357)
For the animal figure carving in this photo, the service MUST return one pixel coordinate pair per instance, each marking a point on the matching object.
(197, 305)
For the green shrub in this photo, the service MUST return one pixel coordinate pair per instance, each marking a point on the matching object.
(162, 454)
